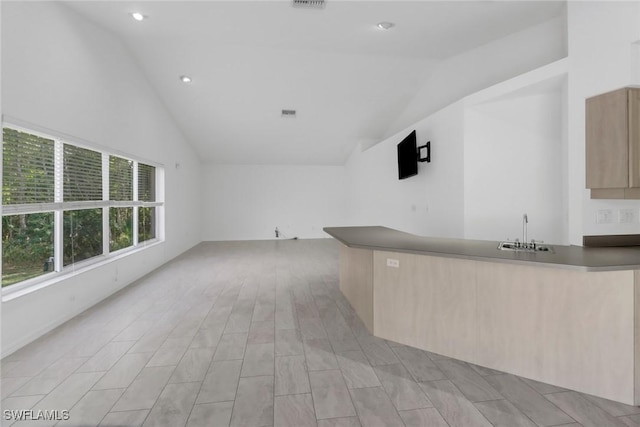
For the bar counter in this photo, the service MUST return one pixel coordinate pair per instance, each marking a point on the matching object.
(569, 318)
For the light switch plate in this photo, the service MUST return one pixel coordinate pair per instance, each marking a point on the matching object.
(628, 216)
(393, 263)
(604, 216)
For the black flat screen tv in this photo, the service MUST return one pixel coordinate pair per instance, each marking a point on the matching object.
(408, 156)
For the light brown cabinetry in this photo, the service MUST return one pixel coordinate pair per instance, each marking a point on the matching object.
(427, 302)
(356, 282)
(613, 144)
(573, 329)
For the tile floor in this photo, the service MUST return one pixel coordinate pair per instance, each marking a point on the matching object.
(258, 334)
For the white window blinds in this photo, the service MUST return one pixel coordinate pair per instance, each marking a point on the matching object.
(66, 206)
(28, 168)
(146, 183)
(82, 174)
(120, 178)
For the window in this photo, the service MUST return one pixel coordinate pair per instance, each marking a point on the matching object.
(27, 246)
(147, 224)
(120, 178)
(66, 205)
(120, 189)
(146, 193)
(146, 183)
(28, 168)
(82, 174)
(120, 228)
(82, 235)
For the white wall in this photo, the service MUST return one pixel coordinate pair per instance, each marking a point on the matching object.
(62, 73)
(245, 202)
(495, 156)
(601, 52)
(513, 165)
(430, 203)
(434, 202)
(469, 72)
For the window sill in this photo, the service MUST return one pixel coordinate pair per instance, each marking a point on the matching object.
(37, 283)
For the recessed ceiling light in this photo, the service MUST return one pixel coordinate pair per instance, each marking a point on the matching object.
(138, 16)
(385, 25)
(185, 79)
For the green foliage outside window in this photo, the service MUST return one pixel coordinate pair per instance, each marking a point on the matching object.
(82, 238)
(146, 224)
(27, 246)
(121, 227)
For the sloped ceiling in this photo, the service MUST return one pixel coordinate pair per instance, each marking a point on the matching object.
(347, 79)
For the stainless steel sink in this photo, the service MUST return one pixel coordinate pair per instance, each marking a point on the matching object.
(529, 247)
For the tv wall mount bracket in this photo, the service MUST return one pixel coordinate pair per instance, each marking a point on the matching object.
(424, 152)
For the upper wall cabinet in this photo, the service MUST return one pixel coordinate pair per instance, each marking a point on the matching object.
(613, 144)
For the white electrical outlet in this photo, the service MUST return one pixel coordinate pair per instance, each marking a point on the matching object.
(393, 263)
(628, 216)
(604, 216)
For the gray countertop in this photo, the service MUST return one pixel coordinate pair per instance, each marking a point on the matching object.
(573, 257)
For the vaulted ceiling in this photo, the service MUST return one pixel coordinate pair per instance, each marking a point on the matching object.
(347, 79)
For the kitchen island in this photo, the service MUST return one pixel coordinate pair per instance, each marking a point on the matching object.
(568, 318)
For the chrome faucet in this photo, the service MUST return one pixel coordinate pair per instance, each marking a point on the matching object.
(524, 246)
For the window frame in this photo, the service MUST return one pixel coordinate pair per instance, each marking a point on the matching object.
(59, 207)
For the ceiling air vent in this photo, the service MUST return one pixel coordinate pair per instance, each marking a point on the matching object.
(310, 4)
(288, 113)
